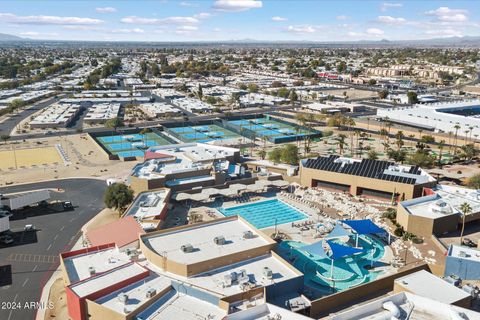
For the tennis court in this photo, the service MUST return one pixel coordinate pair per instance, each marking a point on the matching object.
(275, 131)
(131, 145)
(17, 158)
(203, 133)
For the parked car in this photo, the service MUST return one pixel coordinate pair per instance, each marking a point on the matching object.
(29, 227)
(6, 239)
(67, 205)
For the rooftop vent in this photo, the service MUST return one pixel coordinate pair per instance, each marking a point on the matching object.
(123, 298)
(186, 248)
(150, 293)
(220, 240)
(267, 272)
(91, 270)
(248, 235)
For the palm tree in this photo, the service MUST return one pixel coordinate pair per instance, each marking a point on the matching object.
(441, 145)
(457, 127)
(466, 136)
(341, 142)
(450, 134)
(4, 138)
(399, 136)
(420, 131)
(466, 209)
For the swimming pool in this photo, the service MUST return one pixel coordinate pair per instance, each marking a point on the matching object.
(347, 272)
(264, 214)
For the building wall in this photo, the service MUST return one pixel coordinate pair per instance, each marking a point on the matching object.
(424, 226)
(406, 191)
(465, 269)
(464, 303)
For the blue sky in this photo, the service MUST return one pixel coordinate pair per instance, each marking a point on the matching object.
(185, 20)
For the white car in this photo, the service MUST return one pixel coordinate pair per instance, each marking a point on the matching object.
(6, 239)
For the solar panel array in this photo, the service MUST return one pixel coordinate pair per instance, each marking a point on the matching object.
(364, 168)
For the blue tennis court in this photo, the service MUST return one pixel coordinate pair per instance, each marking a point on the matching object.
(132, 145)
(203, 133)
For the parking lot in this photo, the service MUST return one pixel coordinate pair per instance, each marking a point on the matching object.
(28, 263)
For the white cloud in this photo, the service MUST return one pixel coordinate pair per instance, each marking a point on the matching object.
(128, 31)
(342, 17)
(188, 4)
(375, 32)
(391, 20)
(153, 21)
(236, 5)
(301, 29)
(186, 30)
(444, 33)
(35, 34)
(47, 20)
(217, 30)
(106, 10)
(389, 5)
(279, 19)
(449, 15)
(202, 15)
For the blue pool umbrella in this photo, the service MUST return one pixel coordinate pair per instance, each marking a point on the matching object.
(365, 226)
(338, 232)
(340, 251)
(315, 249)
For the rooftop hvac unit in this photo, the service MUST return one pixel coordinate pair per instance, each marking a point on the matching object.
(187, 248)
(91, 270)
(267, 272)
(248, 235)
(220, 240)
(242, 276)
(142, 204)
(228, 279)
(126, 310)
(123, 298)
(462, 254)
(151, 293)
(453, 279)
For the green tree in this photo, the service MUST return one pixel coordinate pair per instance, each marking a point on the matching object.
(200, 92)
(114, 123)
(118, 196)
(252, 87)
(383, 94)
(412, 97)
(275, 155)
(262, 154)
(290, 154)
(372, 154)
(422, 159)
(341, 142)
(293, 96)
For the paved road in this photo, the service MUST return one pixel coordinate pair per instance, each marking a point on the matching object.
(9, 124)
(26, 265)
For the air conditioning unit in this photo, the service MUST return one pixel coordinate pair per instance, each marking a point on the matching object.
(91, 270)
(142, 204)
(228, 280)
(123, 298)
(220, 240)
(242, 276)
(151, 293)
(267, 273)
(248, 235)
(186, 248)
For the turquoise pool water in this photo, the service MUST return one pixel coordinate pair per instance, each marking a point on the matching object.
(263, 214)
(347, 272)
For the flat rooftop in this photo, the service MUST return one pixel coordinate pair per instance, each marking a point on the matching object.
(77, 267)
(175, 305)
(107, 279)
(148, 204)
(427, 285)
(472, 254)
(201, 238)
(136, 292)
(446, 201)
(375, 169)
(214, 280)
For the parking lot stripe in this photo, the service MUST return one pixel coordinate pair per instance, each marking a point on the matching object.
(25, 282)
(49, 246)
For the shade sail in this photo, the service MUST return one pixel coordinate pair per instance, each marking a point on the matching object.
(315, 249)
(338, 232)
(365, 226)
(340, 251)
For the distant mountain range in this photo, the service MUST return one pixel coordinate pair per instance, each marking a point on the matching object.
(9, 37)
(468, 41)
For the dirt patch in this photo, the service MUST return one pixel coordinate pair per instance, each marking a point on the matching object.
(59, 298)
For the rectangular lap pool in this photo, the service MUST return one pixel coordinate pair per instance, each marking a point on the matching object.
(264, 214)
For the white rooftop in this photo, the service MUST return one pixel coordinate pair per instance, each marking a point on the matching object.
(410, 307)
(266, 311)
(472, 254)
(201, 238)
(427, 285)
(136, 293)
(175, 305)
(446, 201)
(77, 267)
(148, 204)
(106, 279)
(214, 280)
